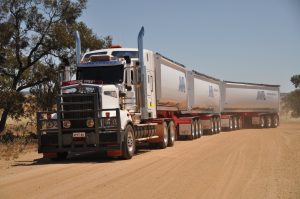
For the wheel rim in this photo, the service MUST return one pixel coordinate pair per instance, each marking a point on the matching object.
(275, 121)
(212, 127)
(172, 132)
(193, 129)
(165, 134)
(262, 122)
(197, 129)
(130, 141)
(240, 123)
(235, 123)
(200, 128)
(269, 122)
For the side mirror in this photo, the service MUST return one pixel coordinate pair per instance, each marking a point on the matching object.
(128, 59)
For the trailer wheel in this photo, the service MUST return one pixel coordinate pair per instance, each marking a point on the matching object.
(262, 122)
(235, 123)
(128, 146)
(193, 131)
(275, 121)
(268, 121)
(230, 124)
(240, 123)
(164, 143)
(196, 129)
(171, 128)
(212, 127)
(217, 125)
(200, 128)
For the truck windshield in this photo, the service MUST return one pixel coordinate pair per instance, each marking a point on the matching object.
(131, 54)
(106, 74)
(87, 56)
(80, 89)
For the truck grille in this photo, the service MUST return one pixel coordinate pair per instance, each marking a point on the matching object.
(77, 108)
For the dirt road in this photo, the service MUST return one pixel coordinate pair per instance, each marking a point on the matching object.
(252, 163)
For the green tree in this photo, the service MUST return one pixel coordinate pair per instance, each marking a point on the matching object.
(296, 80)
(35, 35)
(292, 100)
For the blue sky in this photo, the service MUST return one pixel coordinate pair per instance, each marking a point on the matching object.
(238, 40)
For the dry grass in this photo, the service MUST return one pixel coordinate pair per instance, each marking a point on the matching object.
(12, 150)
(18, 138)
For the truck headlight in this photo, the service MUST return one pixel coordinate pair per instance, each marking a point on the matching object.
(90, 123)
(51, 124)
(66, 124)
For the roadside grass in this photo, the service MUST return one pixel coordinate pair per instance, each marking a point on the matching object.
(19, 137)
(12, 150)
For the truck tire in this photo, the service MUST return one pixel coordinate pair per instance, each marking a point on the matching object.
(230, 124)
(235, 123)
(128, 146)
(218, 125)
(268, 121)
(262, 122)
(212, 127)
(200, 130)
(240, 123)
(164, 142)
(275, 121)
(172, 131)
(193, 131)
(196, 129)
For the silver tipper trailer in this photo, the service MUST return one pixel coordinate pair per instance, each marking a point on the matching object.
(249, 104)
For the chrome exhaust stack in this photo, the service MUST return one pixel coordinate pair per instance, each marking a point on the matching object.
(143, 77)
(78, 47)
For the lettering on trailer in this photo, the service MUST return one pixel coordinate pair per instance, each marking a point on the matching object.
(181, 84)
(210, 91)
(261, 95)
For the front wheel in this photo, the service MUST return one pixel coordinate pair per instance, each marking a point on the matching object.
(128, 147)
